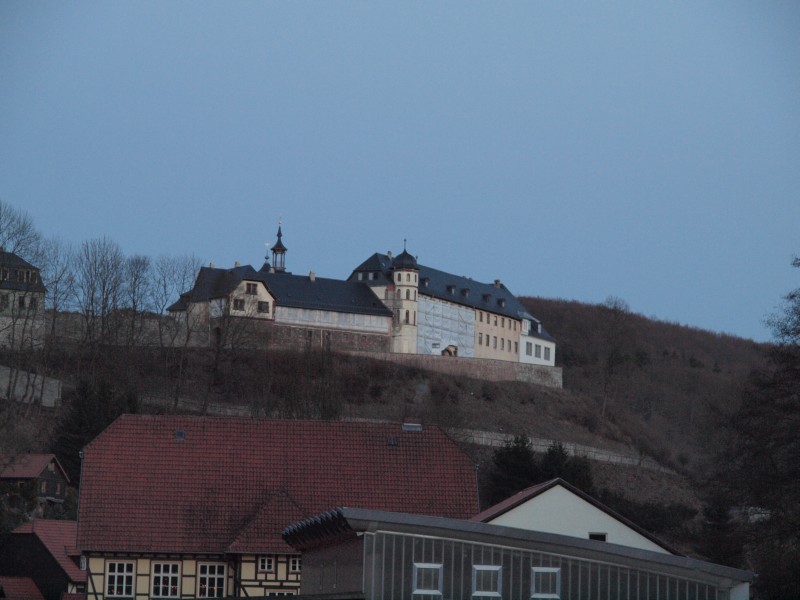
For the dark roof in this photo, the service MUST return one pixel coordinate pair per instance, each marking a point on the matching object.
(232, 485)
(523, 496)
(298, 291)
(59, 538)
(9, 260)
(404, 261)
(342, 523)
(490, 297)
(29, 466)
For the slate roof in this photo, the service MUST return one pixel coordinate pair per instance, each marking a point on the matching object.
(59, 538)
(297, 291)
(231, 485)
(9, 260)
(457, 289)
(29, 466)
(530, 493)
(19, 588)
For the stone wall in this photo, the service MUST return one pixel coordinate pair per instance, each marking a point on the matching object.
(479, 368)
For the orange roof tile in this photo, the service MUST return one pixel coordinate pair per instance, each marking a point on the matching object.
(19, 588)
(205, 484)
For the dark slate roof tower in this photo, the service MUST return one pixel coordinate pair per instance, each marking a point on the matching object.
(279, 254)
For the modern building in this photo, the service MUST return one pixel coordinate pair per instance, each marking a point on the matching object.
(200, 510)
(351, 553)
(22, 295)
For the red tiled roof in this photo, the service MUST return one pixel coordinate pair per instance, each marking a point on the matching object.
(59, 539)
(19, 588)
(232, 485)
(29, 466)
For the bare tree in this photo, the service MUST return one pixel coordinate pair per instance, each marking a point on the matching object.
(57, 262)
(99, 277)
(137, 284)
(17, 232)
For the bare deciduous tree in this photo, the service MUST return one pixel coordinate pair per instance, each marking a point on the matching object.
(99, 277)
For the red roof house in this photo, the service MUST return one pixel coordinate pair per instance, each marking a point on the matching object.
(44, 550)
(225, 488)
(52, 480)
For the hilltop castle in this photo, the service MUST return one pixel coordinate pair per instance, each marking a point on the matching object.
(389, 304)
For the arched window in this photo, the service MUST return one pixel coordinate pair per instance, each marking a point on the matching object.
(415, 294)
(408, 276)
(408, 294)
(407, 316)
(397, 295)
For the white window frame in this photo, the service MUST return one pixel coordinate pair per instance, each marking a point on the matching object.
(266, 563)
(295, 564)
(172, 576)
(545, 571)
(203, 593)
(128, 575)
(546, 353)
(419, 570)
(497, 593)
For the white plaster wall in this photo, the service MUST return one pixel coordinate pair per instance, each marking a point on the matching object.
(532, 360)
(560, 511)
(303, 317)
(444, 324)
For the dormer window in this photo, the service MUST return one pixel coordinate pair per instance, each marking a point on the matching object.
(501, 302)
(487, 297)
(465, 292)
(425, 281)
(451, 289)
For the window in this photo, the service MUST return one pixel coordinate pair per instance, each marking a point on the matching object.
(3, 301)
(529, 348)
(211, 580)
(480, 339)
(494, 342)
(408, 294)
(502, 343)
(360, 276)
(119, 579)
(407, 317)
(427, 579)
(295, 564)
(545, 582)
(32, 303)
(266, 564)
(600, 537)
(263, 307)
(503, 322)
(495, 321)
(43, 487)
(546, 353)
(166, 578)
(22, 301)
(238, 304)
(516, 347)
(538, 351)
(480, 316)
(58, 488)
(408, 277)
(252, 289)
(487, 581)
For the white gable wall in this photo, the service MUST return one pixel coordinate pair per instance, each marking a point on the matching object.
(558, 510)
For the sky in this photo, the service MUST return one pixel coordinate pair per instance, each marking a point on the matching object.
(648, 151)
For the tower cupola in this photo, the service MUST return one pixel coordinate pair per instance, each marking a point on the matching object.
(279, 253)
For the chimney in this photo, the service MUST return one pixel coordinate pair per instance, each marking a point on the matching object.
(237, 264)
(312, 276)
(497, 283)
(389, 254)
(212, 265)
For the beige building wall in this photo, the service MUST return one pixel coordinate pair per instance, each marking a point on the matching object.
(496, 336)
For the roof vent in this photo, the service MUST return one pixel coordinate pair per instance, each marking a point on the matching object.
(180, 435)
(412, 426)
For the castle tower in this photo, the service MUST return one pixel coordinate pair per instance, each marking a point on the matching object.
(405, 276)
(279, 254)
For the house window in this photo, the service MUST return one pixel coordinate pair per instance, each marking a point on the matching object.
(360, 276)
(516, 347)
(480, 339)
(502, 344)
(32, 304)
(43, 487)
(408, 277)
(503, 322)
(252, 289)
(119, 579)
(546, 353)
(166, 578)
(600, 537)
(538, 351)
(487, 581)
(58, 488)
(266, 564)
(427, 579)
(295, 563)
(408, 294)
(545, 582)
(494, 342)
(407, 316)
(22, 301)
(238, 304)
(529, 348)
(211, 580)
(495, 321)
(263, 307)
(480, 316)
(3, 301)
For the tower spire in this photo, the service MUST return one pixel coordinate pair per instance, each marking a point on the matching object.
(279, 252)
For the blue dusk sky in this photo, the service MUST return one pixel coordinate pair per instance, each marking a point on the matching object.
(578, 150)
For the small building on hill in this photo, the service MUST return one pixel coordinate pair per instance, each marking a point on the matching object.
(200, 511)
(42, 470)
(22, 295)
(351, 553)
